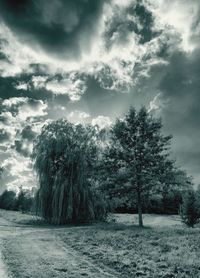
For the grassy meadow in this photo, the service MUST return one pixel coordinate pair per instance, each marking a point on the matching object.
(164, 248)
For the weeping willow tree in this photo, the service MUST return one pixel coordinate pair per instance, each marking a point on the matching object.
(65, 156)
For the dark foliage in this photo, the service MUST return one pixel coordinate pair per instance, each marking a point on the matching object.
(65, 158)
(190, 210)
(7, 200)
(136, 162)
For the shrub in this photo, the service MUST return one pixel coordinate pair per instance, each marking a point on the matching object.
(190, 212)
(7, 200)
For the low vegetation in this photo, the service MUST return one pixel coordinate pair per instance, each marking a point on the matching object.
(165, 248)
(190, 209)
(152, 252)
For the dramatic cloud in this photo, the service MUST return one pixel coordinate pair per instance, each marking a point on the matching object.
(88, 61)
(124, 37)
(180, 16)
(17, 171)
(61, 27)
(4, 135)
(20, 121)
(73, 86)
(180, 88)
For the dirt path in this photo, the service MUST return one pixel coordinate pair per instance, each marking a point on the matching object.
(38, 252)
(3, 270)
(4, 224)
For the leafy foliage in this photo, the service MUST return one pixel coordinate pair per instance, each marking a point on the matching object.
(137, 159)
(190, 210)
(7, 200)
(65, 158)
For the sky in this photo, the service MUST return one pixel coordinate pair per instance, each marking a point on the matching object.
(88, 61)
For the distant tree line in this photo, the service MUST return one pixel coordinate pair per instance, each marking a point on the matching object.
(23, 201)
(85, 171)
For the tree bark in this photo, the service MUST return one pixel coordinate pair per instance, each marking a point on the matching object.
(140, 210)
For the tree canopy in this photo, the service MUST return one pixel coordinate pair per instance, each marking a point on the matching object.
(65, 155)
(137, 158)
(131, 162)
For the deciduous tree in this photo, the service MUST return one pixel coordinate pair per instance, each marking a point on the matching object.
(65, 155)
(136, 157)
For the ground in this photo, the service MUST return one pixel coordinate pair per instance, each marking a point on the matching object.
(164, 248)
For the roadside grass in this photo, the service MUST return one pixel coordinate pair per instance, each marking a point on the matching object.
(21, 218)
(135, 252)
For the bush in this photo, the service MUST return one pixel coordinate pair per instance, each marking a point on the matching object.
(190, 211)
(7, 200)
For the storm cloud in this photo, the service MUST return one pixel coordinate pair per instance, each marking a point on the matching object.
(180, 91)
(88, 61)
(61, 27)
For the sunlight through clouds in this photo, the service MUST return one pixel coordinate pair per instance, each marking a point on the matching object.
(88, 63)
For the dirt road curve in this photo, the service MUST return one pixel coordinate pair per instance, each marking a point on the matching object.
(38, 252)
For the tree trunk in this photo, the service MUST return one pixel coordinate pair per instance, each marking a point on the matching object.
(140, 210)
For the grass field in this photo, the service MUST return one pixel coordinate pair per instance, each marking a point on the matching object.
(164, 248)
